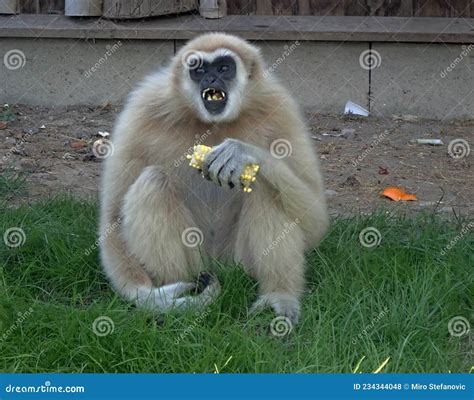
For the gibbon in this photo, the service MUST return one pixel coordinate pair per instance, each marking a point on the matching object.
(215, 92)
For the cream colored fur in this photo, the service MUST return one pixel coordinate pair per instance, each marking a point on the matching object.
(156, 198)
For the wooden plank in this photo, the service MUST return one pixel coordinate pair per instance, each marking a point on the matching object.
(328, 7)
(29, 6)
(52, 6)
(277, 7)
(127, 9)
(42, 6)
(253, 27)
(9, 6)
(356, 7)
(304, 7)
(240, 7)
(263, 7)
(213, 8)
(86, 8)
(392, 8)
(431, 8)
(286, 7)
(461, 8)
(385, 8)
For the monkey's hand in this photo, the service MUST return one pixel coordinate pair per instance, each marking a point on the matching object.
(225, 164)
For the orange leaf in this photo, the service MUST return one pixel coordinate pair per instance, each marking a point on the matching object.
(78, 144)
(397, 194)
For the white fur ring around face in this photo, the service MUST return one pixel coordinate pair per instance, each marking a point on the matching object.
(247, 176)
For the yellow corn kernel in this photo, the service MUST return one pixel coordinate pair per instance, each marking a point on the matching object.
(247, 177)
(199, 154)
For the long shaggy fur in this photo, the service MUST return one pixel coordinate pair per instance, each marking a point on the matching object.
(148, 187)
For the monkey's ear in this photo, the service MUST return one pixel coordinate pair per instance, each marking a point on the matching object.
(256, 69)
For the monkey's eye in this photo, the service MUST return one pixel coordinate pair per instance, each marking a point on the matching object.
(200, 71)
(223, 68)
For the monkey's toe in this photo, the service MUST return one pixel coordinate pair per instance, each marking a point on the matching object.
(282, 304)
(203, 280)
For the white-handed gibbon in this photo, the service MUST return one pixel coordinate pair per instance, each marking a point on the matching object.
(215, 92)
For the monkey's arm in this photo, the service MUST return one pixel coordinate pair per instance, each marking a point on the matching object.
(301, 199)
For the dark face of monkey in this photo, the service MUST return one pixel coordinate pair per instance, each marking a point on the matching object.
(214, 80)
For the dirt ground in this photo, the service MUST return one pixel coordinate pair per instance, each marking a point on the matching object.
(360, 156)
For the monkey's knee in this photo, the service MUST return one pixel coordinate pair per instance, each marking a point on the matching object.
(154, 218)
(151, 185)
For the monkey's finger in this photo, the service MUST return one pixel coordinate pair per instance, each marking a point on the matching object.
(212, 172)
(209, 160)
(218, 168)
(235, 179)
(225, 176)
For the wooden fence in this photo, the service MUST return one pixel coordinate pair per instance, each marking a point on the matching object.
(42, 6)
(385, 8)
(392, 8)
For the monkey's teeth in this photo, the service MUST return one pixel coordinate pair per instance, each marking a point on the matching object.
(213, 95)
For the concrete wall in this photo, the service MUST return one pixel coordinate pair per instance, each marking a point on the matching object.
(434, 80)
(406, 78)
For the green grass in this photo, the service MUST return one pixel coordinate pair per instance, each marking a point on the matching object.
(405, 281)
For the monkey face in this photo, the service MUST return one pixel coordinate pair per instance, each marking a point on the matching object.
(215, 80)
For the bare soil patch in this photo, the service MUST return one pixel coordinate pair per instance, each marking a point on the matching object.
(52, 149)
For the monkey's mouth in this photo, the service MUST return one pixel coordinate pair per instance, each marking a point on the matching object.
(212, 94)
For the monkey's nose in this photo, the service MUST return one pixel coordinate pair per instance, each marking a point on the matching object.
(210, 79)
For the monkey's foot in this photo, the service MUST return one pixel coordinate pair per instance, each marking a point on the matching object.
(283, 304)
(203, 280)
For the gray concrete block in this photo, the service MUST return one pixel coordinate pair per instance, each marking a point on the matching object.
(419, 79)
(433, 80)
(69, 71)
(322, 76)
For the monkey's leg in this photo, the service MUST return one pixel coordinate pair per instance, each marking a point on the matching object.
(271, 247)
(149, 248)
